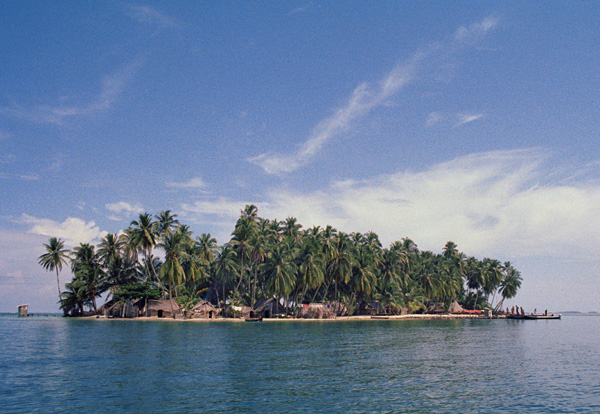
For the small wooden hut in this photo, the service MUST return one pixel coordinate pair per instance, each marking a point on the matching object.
(373, 307)
(127, 309)
(22, 310)
(204, 310)
(241, 311)
(268, 308)
(161, 308)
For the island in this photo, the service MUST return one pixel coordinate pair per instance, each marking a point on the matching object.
(271, 269)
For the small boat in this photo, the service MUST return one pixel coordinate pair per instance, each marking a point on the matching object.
(380, 317)
(533, 316)
(253, 319)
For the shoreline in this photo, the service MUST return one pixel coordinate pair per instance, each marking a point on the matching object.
(353, 318)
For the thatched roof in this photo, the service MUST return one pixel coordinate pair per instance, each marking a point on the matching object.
(203, 305)
(339, 308)
(127, 309)
(316, 311)
(163, 304)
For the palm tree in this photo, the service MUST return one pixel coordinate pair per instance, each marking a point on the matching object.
(166, 222)
(74, 298)
(311, 266)
(258, 253)
(364, 281)
(493, 277)
(242, 235)
(450, 249)
(250, 212)
(279, 271)
(475, 276)
(291, 229)
(85, 265)
(225, 265)
(206, 246)
(142, 235)
(390, 270)
(511, 282)
(110, 248)
(54, 258)
(171, 271)
(339, 267)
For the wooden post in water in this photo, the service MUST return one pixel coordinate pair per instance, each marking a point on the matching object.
(22, 311)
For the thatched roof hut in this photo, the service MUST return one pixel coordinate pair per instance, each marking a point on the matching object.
(338, 308)
(316, 311)
(127, 309)
(203, 310)
(437, 307)
(161, 308)
(268, 308)
(235, 311)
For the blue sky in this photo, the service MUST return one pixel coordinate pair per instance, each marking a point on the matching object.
(475, 122)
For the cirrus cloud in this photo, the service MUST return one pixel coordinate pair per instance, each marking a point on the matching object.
(367, 97)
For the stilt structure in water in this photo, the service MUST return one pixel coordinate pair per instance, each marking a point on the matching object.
(22, 311)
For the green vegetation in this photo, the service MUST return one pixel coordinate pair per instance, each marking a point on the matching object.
(270, 258)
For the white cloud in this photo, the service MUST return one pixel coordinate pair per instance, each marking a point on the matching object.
(220, 207)
(435, 118)
(152, 16)
(367, 97)
(499, 204)
(466, 118)
(476, 30)
(73, 230)
(112, 88)
(196, 182)
(124, 207)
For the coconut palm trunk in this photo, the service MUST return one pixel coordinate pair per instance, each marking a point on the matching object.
(57, 282)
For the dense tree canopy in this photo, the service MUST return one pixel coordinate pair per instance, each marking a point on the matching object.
(269, 258)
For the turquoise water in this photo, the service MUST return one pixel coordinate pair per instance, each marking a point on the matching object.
(462, 366)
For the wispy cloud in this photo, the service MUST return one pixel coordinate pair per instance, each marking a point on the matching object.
(73, 230)
(453, 119)
(473, 32)
(26, 177)
(367, 97)
(467, 118)
(7, 158)
(300, 10)
(196, 182)
(151, 16)
(112, 87)
(435, 118)
(221, 208)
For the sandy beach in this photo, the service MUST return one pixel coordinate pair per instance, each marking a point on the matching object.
(352, 318)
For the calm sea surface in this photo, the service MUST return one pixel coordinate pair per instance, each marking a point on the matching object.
(52, 364)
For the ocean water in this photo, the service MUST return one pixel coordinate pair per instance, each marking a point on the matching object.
(53, 364)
